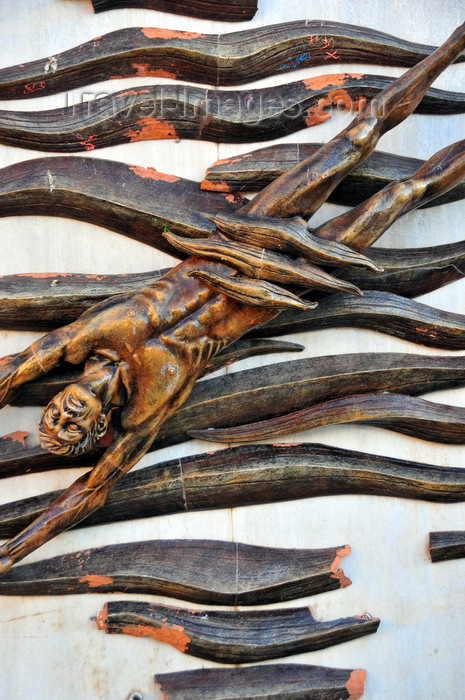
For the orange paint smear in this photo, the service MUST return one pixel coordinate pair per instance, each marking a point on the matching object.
(316, 116)
(323, 81)
(231, 198)
(152, 174)
(101, 619)
(144, 70)
(174, 635)
(5, 359)
(158, 33)
(336, 571)
(139, 91)
(151, 129)
(355, 684)
(47, 275)
(214, 186)
(340, 97)
(19, 435)
(95, 581)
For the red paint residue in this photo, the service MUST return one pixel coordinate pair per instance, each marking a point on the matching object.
(172, 634)
(139, 91)
(152, 174)
(18, 435)
(45, 275)
(151, 129)
(95, 581)
(145, 70)
(315, 116)
(158, 33)
(33, 87)
(323, 81)
(231, 198)
(86, 142)
(336, 571)
(214, 186)
(5, 359)
(101, 619)
(355, 684)
(340, 98)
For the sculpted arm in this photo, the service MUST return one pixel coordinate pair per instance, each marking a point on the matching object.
(38, 359)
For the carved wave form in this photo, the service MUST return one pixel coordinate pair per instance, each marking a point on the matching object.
(232, 11)
(234, 58)
(189, 112)
(249, 475)
(404, 414)
(449, 544)
(289, 681)
(202, 571)
(232, 637)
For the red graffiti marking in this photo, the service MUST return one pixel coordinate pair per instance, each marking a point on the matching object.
(332, 54)
(86, 142)
(33, 87)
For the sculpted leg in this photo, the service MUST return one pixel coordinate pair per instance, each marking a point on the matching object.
(363, 225)
(304, 188)
(86, 494)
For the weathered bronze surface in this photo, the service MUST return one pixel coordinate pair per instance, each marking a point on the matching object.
(187, 112)
(252, 171)
(203, 571)
(286, 681)
(232, 637)
(60, 298)
(447, 545)
(144, 351)
(252, 474)
(234, 58)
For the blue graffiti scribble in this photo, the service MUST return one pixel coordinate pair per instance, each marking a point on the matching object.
(294, 62)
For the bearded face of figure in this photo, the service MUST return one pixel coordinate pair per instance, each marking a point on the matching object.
(72, 422)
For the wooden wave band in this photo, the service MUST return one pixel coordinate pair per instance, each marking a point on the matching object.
(203, 571)
(188, 112)
(290, 386)
(234, 58)
(447, 545)
(232, 637)
(411, 272)
(253, 171)
(137, 202)
(403, 414)
(284, 681)
(377, 311)
(62, 297)
(232, 11)
(250, 475)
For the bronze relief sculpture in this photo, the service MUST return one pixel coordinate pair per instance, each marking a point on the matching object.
(144, 350)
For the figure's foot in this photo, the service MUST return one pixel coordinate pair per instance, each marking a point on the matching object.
(6, 562)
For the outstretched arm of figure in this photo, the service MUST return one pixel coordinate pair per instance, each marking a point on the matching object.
(304, 188)
(85, 495)
(363, 225)
(38, 359)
